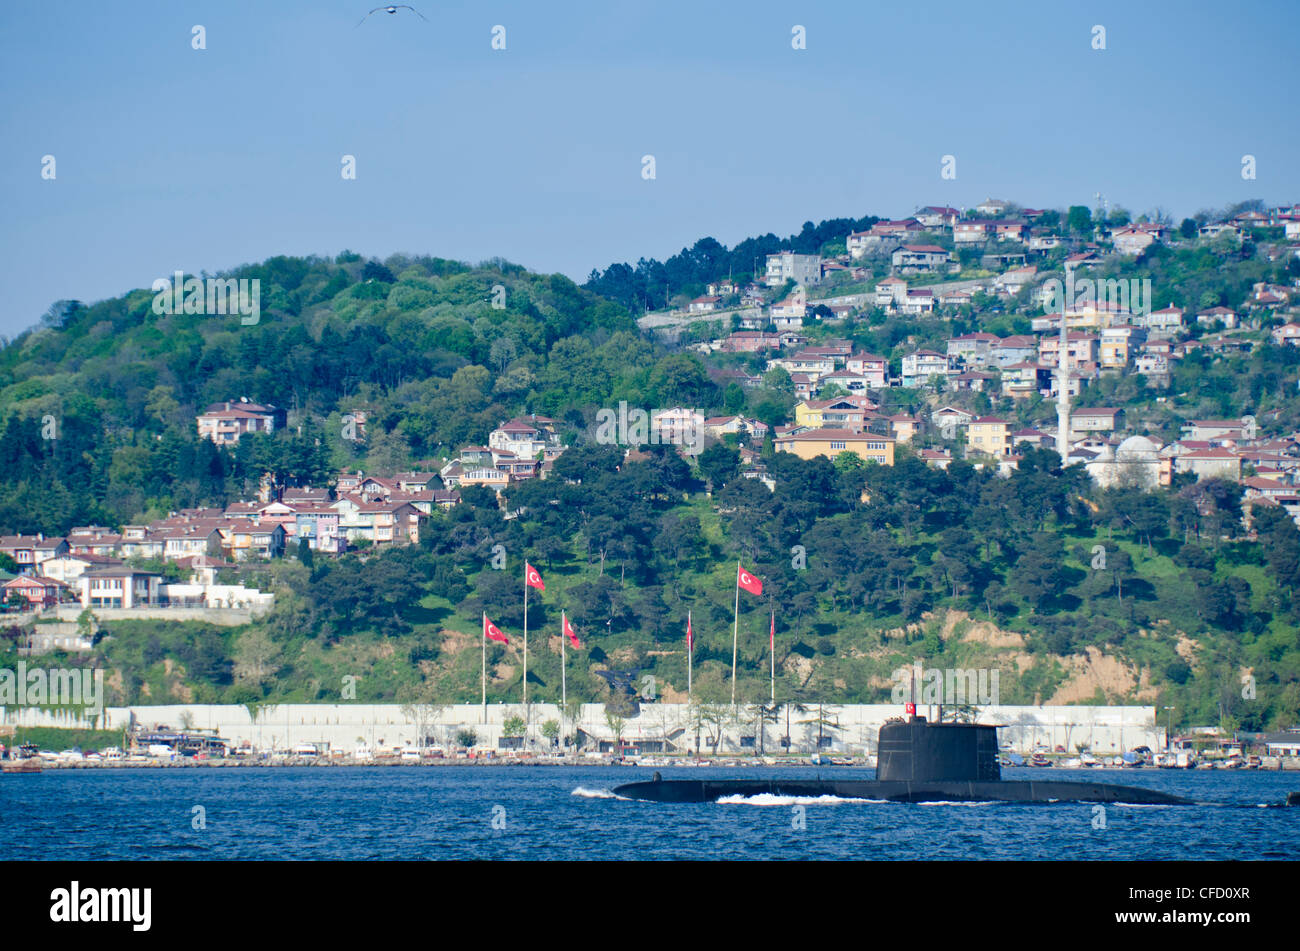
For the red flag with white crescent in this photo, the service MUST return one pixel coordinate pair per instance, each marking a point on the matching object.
(690, 638)
(532, 578)
(568, 632)
(748, 581)
(492, 632)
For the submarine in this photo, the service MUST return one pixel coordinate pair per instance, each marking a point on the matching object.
(917, 761)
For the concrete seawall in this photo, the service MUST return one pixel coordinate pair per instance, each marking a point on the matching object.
(667, 727)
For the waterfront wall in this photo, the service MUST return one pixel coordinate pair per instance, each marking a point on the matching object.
(225, 617)
(851, 728)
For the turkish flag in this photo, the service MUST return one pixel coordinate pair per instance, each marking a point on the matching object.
(690, 638)
(532, 578)
(492, 632)
(748, 581)
(568, 632)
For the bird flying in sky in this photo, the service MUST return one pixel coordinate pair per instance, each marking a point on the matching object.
(393, 8)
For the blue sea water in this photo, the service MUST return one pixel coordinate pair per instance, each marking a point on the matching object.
(541, 813)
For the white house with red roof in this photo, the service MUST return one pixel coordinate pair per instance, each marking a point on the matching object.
(1132, 241)
(849, 381)
(1208, 430)
(1209, 463)
(224, 423)
(1287, 335)
(919, 301)
(938, 216)
(1016, 279)
(1016, 348)
(920, 365)
(525, 438)
(1225, 315)
(1082, 259)
(891, 292)
(789, 314)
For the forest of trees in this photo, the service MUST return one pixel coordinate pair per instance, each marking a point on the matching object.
(651, 285)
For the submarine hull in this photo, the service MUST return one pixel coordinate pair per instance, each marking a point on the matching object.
(685, 790)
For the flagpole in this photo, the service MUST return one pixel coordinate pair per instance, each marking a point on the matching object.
(735, 631)
(564, 687)
(772, 640)
(690, 656)
(525, 636)
(528, 713)
(484, 639)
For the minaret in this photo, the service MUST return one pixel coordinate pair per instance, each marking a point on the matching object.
(1063, 392)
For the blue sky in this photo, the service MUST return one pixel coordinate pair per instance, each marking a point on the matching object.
(170, 158)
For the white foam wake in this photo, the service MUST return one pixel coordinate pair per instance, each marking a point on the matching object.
(1140, 805)
(586, 793)
(771, 799)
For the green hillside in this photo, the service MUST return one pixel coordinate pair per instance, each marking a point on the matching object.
(959, 567)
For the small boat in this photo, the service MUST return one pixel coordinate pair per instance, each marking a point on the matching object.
(22, 766)
(24, 759)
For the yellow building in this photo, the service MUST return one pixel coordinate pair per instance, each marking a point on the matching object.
(989, 435)
(1119, 346)
(809, 413)
(831, 442)
(904, 427)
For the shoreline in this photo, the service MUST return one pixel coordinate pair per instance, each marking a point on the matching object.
(275, 762)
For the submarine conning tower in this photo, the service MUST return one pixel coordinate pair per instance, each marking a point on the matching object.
(913, 750)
